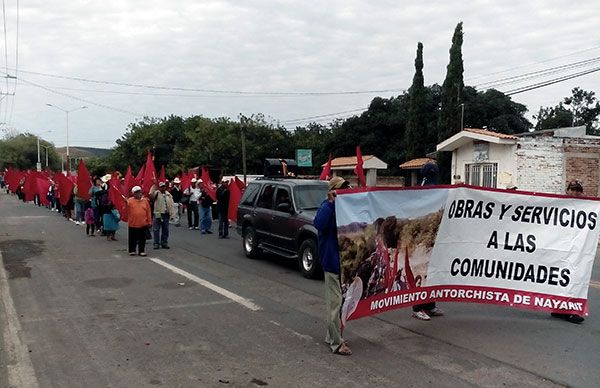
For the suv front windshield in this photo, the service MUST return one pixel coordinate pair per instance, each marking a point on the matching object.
(310, 196)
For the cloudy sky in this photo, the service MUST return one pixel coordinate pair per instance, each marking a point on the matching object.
(286, 59)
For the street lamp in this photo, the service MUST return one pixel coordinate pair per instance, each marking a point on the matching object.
(46, 149)
(39, 164)
(67, 114)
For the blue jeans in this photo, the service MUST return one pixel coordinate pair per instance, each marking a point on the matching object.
(157, 225)
(79, 211)
(205, 218)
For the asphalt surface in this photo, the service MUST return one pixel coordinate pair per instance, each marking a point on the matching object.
(78, 311)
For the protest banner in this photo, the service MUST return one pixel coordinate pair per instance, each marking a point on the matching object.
(402, 247)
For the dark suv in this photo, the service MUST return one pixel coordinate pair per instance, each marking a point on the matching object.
(276, 215)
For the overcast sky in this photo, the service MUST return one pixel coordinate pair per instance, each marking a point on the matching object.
(270, 46)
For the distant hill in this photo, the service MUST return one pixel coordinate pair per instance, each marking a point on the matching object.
(84, 152)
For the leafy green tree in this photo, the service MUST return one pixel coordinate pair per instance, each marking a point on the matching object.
(581, 108)
(495, 111)
(21, 151)
(417, 136)
(553, 117)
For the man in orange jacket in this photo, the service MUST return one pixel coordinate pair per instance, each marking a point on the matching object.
(139, 219)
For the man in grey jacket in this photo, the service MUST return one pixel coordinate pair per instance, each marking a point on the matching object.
(164, 210)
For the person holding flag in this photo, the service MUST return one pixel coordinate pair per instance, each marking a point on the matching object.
(139, 220)
(164, 210)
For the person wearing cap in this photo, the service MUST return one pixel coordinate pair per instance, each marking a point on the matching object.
(164, 210)
(329, 257)
(139, 219)
(192, 208)
(223, 208)
(206, 202)
(574, 189)
(177, 194)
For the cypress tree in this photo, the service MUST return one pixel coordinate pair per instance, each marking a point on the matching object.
(452, 96)
(452, 89)
(415, 140)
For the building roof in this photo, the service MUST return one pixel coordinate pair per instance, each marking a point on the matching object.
(490, 133)
(349, 162)
(415, 164)
(467, 135)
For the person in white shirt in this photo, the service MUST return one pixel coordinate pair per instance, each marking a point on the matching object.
(192, 208)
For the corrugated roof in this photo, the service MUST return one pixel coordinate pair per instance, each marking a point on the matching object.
(490, 133)
(415, 163)
(347, 161)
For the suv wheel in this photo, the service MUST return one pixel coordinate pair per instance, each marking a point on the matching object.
(308, 259)
(249, 242)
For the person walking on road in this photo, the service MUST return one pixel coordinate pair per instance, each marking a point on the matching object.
(110, 221)
(223, 208)
(177, 194)
(139, 219)
(205, 212)
(164, 210)
(90, 220)
(192, 208)
(329, 258)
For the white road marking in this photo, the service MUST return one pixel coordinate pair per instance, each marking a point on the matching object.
(205, 283)
(294, 332)
(594, 283)
(19, 366)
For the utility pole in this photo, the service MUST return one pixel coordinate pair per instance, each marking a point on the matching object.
(38, 164)
(244, 151)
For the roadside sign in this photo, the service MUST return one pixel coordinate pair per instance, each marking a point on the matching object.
(304, 158)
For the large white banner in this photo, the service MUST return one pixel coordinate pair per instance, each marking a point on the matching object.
(404, 247)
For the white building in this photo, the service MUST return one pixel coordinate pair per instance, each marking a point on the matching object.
(541, 161)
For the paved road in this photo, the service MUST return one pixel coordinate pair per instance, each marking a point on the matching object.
(88, 314)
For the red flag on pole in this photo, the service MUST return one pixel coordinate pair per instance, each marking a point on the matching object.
(235, 194)
(358, 170)
(116, 197)
(326, 173)
(129, 182)
(149, 174)
(65, 189)
(185, 181)
(43, 184)
(84, 181)
(140, 176)
(207, 184)
(162, 177)
(240, 184)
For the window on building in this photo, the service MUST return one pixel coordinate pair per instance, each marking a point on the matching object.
(481, 174)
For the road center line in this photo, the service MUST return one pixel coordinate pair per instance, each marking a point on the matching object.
(19, 367)
(205, 283)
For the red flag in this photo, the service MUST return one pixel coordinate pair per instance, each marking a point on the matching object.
(149, 174)
(185, 181)
(43, 184)
(65, 189)
(207, 184)
(235, 194)
(162, 177)
(129, 181)
(140, 175)
(358, 170)
(116, 197)
(326, 173)
(240, 184)
(30, 186)
(84, 181)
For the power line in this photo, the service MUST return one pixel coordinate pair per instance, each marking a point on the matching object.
(534, 63)
(321, 116)
(539, 73)
(82, 99)
(211, 90)
(550, 82)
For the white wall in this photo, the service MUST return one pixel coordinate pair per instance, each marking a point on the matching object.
(503, 154)
(541, 164)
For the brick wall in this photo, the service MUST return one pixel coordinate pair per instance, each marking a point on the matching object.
(583, 163)
(540, 164)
